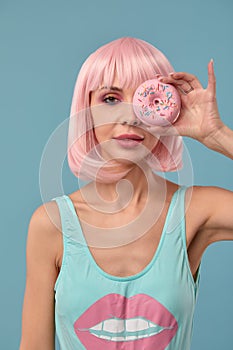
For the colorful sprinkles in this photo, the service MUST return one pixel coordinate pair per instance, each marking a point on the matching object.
(150, 105)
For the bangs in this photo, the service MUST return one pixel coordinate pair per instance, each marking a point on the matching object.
(131, 62)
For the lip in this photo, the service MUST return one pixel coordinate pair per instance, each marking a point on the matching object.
(129, 136)
(128, 143)
(114, 306)
(129, 140)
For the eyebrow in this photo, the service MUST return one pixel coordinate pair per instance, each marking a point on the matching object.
(114, 88)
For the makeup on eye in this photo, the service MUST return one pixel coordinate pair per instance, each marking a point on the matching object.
(113, 95)
(109, 99)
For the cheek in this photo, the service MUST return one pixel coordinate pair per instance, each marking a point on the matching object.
(100, 118)
(102, 133)
(103, 126)
(103, 115)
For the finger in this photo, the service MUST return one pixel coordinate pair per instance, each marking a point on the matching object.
(182, 78)
(181, 85)
(211, 78)
(189, 78)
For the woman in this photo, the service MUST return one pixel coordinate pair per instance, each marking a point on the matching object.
(116, 263)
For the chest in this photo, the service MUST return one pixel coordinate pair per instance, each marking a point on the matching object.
(129, 259)
(130, 248)
(126, 256)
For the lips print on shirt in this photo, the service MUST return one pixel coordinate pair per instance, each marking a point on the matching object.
(135, 323)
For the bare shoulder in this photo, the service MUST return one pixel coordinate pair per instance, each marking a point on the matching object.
(44, 230)
(197, 199)
(201, 203)
(204, 198)
(47, 215)
(43, 244)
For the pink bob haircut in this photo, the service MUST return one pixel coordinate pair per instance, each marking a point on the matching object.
(133, 61)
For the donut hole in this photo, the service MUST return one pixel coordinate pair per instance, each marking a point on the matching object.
(156, 102)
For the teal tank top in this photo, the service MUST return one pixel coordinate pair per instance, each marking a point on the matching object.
(151, 310)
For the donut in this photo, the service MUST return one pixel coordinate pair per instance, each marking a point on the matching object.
(156, 103)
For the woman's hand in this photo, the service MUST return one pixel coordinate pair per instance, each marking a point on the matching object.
(199, 117)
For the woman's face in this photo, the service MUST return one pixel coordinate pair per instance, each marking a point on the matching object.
(114, 125)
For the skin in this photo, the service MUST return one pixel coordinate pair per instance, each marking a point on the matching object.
(208, 209)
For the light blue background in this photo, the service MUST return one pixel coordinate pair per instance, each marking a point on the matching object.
(42, 47)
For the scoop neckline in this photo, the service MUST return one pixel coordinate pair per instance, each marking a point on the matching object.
(155, 255)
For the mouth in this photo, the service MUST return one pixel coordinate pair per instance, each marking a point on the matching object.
(129, 140)
(134, 137)
(145, 323)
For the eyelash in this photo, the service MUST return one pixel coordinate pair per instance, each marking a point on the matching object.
(115, 100)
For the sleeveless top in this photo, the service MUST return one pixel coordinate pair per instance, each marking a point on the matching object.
(150, 310)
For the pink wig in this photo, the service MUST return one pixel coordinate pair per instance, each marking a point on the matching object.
(133, 61)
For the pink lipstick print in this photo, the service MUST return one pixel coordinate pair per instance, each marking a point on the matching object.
(116, 322)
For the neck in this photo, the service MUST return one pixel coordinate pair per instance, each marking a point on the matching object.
(132, 190)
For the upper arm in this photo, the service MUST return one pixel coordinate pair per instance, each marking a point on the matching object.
(216, 206)
(41, 256)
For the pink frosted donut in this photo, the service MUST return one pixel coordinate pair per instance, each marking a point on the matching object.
(156, 103)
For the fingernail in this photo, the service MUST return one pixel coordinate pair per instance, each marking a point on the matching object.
(212, 60)
(172, 73)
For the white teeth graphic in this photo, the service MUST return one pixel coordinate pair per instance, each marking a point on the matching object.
(98, 327)
(137, 323)
(131, 337)
(105, 337)
(114, 325)
(121, 327)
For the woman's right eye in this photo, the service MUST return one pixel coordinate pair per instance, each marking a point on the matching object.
(110, 100)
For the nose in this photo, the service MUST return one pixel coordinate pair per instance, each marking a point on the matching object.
(128, 116)
(133, 122)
